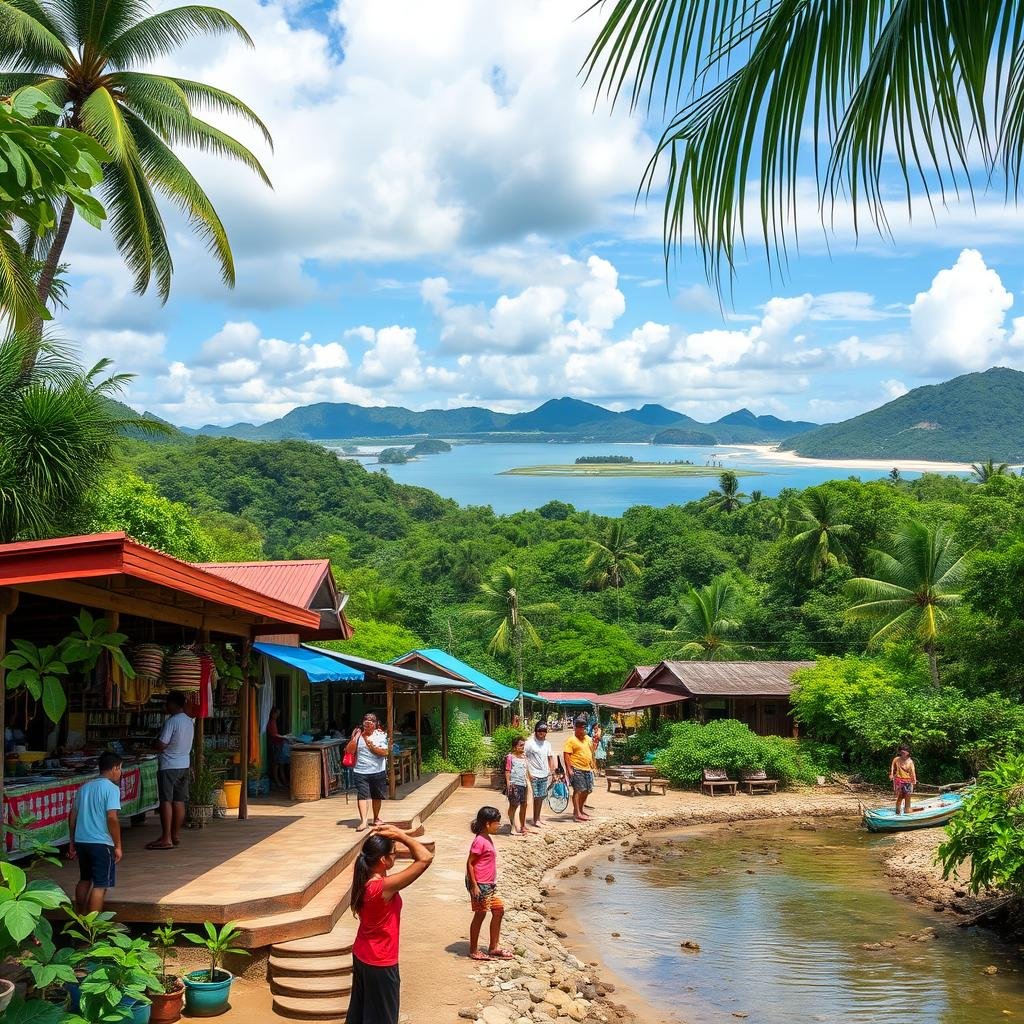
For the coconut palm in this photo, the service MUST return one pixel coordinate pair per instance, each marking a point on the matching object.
(895, 476)
(985, 471)
(770, 91)
(382, 603)
(85, 56)
(708, 619)
(513, 630)
(913, 587)
(817, 532)
(728, 497)
(613, 561)
(59, 434)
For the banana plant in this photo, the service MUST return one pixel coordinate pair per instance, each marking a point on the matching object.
(38, 671)
(92, 638)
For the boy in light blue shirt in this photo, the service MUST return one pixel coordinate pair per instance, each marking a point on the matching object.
(96, 834)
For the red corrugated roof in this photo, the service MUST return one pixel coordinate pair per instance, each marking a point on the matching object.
(293, 582)
(115, 554)
(638, 697)
(554, 696)
(637, 676)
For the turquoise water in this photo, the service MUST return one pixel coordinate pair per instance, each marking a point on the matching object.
(782, 916)
(469, 474)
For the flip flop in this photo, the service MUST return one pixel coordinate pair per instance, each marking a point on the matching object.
(501, 954)
(479, 956)
(176, 842)
(362, 828)
(158, 846)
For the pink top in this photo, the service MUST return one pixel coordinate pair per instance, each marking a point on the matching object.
(380, 920)
(486, 866)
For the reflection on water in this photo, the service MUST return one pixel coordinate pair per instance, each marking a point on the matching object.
(780, 914)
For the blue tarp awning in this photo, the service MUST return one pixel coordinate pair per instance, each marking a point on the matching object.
(317, 668)
(460, 670)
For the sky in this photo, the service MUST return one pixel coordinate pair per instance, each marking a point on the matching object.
(453, 222)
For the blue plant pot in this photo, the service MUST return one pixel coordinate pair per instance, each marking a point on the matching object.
(207, 998)
(140, 1011)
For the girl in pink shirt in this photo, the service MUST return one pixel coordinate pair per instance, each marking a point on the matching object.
(482, 883)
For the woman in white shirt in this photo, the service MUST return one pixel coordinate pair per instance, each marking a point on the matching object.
(371, 746)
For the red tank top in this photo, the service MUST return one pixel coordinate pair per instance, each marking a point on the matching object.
(380, 921)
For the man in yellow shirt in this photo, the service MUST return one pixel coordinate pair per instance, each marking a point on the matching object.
(579, 759)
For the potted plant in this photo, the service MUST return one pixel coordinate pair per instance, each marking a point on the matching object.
(465, 748)
(204, 784)
(168, 998)
(124, 971)
(207, 991)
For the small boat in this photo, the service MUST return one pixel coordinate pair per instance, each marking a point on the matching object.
(927, 813)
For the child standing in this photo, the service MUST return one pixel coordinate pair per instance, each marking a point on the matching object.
(96, 834)
(517, 780)
(482, 883)
(903, 775)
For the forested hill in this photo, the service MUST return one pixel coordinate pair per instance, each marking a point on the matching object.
(970, 418)
(565, 419)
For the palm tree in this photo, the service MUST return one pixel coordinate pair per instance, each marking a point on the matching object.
(708, 617)
(382, 603)
(895, 476)
(613, 561)
(817, 533)
(60, 433)
(83, 54)
(912, 589)
(773, 86)
(986, 471)
(513, 630)
(728, 497)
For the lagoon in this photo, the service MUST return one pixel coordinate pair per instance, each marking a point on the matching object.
(470, 474)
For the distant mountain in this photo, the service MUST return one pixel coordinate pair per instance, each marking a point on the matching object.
(681, 435)
(560, 419)
(973, 417)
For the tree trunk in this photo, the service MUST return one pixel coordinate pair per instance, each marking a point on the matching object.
(67, 215)
(933, 663)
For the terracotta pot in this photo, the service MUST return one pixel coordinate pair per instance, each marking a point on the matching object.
(6, 993)
(468, 780)
(167, 1005)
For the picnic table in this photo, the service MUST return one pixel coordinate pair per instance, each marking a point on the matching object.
(638, 777)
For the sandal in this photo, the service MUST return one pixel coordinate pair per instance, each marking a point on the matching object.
(157, 845)
(501, 954)
(479, 955)
(362, 827)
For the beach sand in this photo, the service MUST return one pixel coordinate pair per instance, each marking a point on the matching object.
(771, 454)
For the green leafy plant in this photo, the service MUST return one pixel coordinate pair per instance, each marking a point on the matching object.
(122, 971)
(466, 747)
(164, 938)
(93, 638)
(502, 740)
(38, 671)
(50, 965)
(219, 943)
(988, 832)
(435, 763)
(205, 782)
(93, 927)
(23, 904)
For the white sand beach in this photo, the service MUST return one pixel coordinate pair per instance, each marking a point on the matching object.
(770, 453)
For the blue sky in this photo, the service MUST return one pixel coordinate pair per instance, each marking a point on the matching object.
(452, 223)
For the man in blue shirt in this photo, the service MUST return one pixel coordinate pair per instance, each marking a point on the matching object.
(96, 834)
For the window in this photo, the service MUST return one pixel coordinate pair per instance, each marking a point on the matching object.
(769, 709)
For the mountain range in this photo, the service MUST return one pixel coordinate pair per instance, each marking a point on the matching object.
(560, 419)
(970, 418)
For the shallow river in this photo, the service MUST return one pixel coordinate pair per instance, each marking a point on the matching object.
(780, 914)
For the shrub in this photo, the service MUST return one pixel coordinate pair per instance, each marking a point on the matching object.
(465, 744)
(502, 740)
(730, 745)
(989, 830)
(645, 741)
(435, 763)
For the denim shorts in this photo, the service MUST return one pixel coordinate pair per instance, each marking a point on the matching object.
(540, 787)
(582, 782)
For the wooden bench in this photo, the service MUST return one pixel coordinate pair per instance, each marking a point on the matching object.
(636, 777)
(717, 778)
(758, 782)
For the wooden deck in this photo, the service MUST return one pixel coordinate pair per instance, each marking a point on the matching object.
(282, 874)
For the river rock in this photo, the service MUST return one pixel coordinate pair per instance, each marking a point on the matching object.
(689, 944)
(496, 1015)
(467, 1014)
(537, 989)
(991, 969)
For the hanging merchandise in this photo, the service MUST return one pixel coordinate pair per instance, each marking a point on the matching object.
(148, 661)
(183, 670)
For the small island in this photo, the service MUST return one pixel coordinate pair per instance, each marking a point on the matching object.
(393, 456)
(627, 467)
(687, 438)
(429, 446)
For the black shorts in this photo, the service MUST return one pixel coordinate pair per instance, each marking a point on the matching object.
(372, 787)
(375, 991)
(172, 785)
(96, 864)
(516, 795)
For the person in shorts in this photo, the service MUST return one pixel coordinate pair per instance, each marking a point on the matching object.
(579, 758)
(517, 781)
(370, 746)
(540, 763)
(95, 831)
(482, 883)
(174, 752)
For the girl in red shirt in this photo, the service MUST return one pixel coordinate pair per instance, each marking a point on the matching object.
(378, 905)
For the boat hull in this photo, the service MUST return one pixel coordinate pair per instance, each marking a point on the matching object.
(930, 815)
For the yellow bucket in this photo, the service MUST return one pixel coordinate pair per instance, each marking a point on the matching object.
(232, 793)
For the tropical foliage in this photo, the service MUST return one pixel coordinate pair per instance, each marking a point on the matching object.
(85, 58)
(728, 497)
(817, 532)
(708, 618)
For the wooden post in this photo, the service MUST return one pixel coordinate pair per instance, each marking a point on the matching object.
(200, 752)
(444, 723)
(8, 602)
(391, 738)
(419, 737)
(244, 725)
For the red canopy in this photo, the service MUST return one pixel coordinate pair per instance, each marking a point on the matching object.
(637, 697)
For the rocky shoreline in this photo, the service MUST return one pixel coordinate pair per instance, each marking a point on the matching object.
(547, 982)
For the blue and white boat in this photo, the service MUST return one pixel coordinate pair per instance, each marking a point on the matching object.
(927, 812)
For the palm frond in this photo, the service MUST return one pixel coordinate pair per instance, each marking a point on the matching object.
(166, 31)
(202, 96)
(202, 136)
(29, 41)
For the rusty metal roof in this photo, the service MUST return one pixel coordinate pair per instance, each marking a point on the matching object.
(292, 582)
(727, 678)
(638, 697)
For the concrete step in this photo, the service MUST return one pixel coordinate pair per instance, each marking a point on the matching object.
(316, 918)
(330, 986)
(402, 852)
(336, 942)
(314, 966)
(311, 1009)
